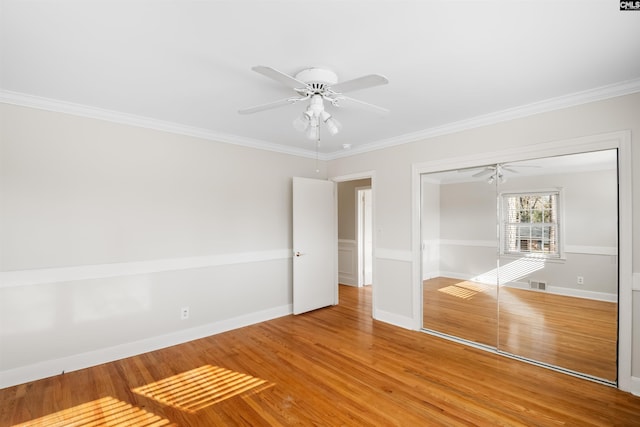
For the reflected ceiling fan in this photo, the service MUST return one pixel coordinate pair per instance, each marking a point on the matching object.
(497, 171)
(317, 85)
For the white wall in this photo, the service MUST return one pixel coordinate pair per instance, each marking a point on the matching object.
(393, 203)
(468, 244)
(107, 230)
(348, 208)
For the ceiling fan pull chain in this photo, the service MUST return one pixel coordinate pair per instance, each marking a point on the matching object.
(317, 148)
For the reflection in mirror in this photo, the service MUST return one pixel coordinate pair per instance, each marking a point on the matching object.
(561, 216)
(459, 247)
(522, 258)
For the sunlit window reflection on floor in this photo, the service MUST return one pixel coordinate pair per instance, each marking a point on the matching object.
(196, 389)
(464, 290)
(102, 412)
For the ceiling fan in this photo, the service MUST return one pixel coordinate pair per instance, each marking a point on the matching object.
(497, 171)
(317, 85)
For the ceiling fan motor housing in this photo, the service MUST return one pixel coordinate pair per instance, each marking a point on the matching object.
(317, 79)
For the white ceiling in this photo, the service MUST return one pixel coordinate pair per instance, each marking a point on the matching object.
(185, 66)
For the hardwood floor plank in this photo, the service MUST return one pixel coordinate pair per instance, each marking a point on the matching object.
(334, 366)
(573, 333)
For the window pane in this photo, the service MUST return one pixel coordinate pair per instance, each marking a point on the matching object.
(536, 231)
(536, 245)
(530, 223)
(536, 216)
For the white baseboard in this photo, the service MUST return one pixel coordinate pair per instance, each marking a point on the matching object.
(395, 319)
(349, 284)
(76, 362)
(347, 280)
(430, 275)
(579, 293)
(556, 290)
(569, 292)
(635, 386)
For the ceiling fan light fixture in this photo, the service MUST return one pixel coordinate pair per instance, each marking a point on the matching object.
(302, 122)
(499, 176)
(316, 105)
(333, 126)
(313, 132)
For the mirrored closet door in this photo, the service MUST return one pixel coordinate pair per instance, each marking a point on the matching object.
(522, 258)
(459, 255)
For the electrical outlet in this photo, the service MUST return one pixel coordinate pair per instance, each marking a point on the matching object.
(580, 280)
(184, 313)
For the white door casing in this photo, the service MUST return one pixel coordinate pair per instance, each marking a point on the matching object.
(365, 236)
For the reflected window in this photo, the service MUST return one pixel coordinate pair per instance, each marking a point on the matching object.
(531, 223)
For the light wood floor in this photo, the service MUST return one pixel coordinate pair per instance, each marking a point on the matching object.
(333, 366)
(573, 333)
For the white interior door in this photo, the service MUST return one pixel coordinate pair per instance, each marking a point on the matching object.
(315, 245)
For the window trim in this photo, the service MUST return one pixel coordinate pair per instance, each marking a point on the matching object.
(560, 256)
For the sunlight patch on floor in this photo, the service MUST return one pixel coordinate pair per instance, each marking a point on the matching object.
(199, 388)
(102, 412)
(464, 290)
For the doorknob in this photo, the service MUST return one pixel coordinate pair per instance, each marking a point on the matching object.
(298, 253)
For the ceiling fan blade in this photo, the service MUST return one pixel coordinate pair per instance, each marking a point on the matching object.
(483, 173)
(508, 169)
(516, 165)
(365, 105)
(363, 82)
(268, 106)
(471, 169)
(279, 76)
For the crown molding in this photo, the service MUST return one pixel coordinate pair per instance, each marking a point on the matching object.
(26, 100)
(578, 98)
(552, 104)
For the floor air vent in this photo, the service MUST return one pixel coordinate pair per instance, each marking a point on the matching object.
(538, 284)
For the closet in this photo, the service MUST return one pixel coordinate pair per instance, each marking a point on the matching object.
(521, 258)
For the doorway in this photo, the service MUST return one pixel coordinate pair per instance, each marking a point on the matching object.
(356, 222)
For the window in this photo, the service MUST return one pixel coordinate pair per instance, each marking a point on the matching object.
(531, 223)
